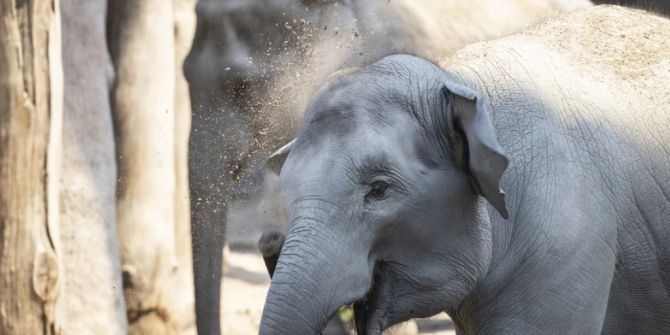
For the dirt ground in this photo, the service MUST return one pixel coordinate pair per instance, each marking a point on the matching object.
(246, 281)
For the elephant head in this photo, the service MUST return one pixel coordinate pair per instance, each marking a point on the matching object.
(386, 191)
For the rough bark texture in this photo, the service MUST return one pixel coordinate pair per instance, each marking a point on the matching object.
(141, 39)
(30, 120)
(93, 296)
(184, 28)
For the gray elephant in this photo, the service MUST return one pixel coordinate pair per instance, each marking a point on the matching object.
(254, 64)
(250, 82)
(394, 187)
(270, 245)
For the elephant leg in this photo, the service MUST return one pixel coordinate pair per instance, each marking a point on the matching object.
(218, 138)
(208, 215)
(208, 238)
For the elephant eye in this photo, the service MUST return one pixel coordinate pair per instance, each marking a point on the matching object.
(377, 191)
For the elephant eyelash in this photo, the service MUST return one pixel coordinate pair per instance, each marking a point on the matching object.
(378, 190)
(375, 178)
(378, 172)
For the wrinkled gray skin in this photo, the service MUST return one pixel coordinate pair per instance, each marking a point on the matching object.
(255, 63)
(231, 65)
(393, 197)
(270, 245)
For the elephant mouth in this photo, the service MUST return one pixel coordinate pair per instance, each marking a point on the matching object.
(370, 312)
(362, 317)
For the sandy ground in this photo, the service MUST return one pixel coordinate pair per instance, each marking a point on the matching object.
(246, 284)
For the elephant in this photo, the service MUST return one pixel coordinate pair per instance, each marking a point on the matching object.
(250, 83)
(522, 186)
(270, 245)
(87, 215)
(659, 6)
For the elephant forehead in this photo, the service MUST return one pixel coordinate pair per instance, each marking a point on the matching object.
(357, 131)
(349, 156)
(358, 102)
(380, 94)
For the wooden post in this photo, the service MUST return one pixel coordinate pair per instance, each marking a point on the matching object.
(30, 121)
(141, 38)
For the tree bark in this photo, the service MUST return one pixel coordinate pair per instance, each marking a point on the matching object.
(30, 121)
(141, 40)
(184, 29)
(92, 292)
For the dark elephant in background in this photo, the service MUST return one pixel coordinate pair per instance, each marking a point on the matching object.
(394, 187)
(253, 65)
(658, 6)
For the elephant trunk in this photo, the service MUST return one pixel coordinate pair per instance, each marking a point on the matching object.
(314, 277)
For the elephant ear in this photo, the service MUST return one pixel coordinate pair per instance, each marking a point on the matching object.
(276, 160)
(484, 158)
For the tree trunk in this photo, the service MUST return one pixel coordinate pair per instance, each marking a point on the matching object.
(30, 121)
(184, 28)
(141, 39)
(92, 292)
